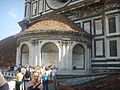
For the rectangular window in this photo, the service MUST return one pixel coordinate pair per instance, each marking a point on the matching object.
(46, 7)
(99, 48)
(113, 48)
(34, 8)
(87, 26)
(98, 27)
(40, 6)
(112, 25)
(25, 10)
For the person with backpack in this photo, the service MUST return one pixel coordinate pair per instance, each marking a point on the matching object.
(35, 83)
(26, 77)
(45, 78)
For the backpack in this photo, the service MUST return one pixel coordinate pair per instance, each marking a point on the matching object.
(45, 78)
(28, 74)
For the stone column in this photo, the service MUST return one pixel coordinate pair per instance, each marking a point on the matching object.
(65, 55)
(34, 53)
(39, 53)
(18, 56)
(87, 58)
(69, 55)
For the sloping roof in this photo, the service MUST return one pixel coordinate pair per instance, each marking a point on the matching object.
(110, 82)
(7, 52)
(54, 22)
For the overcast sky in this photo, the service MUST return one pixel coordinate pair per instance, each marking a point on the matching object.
(11, 12)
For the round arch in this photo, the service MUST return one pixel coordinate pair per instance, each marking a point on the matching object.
(50, 54)
(24, 55)
(78, 57)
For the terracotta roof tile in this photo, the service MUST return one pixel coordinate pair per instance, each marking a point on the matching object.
(54, 22)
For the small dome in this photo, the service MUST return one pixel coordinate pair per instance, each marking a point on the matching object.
(54, 22)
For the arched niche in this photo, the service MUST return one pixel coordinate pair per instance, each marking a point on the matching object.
(24, 55)
(78, 57)
(50, 54)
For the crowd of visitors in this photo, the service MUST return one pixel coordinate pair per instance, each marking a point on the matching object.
(35, 78)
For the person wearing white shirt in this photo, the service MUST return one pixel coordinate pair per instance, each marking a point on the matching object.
(53, 73)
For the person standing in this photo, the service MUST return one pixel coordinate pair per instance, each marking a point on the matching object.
(45, 78)
(3, 83)
(19, 79)
(53, 73)
(35, 83)
(26, 77)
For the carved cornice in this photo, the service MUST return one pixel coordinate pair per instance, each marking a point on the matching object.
(98, 8)
(69, 37)
(111, 4)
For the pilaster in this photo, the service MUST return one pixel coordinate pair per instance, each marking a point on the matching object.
(34, 52)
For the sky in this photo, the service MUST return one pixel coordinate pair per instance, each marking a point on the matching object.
(11, 12)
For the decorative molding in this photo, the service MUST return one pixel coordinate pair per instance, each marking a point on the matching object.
(34, 41)
(59, 42)
(40, 42)
(113, 36)
(56, 4)
(105, 65)
(106, 60)
(66, 42)
(108, 4)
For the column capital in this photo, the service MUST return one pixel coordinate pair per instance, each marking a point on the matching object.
(67, 42)
(34, 41)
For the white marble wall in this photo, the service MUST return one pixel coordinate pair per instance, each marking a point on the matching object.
(65, 54)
